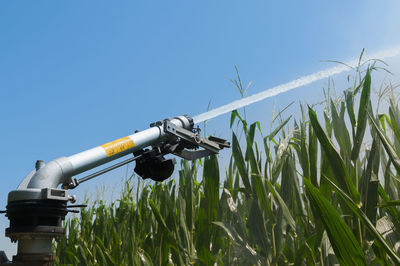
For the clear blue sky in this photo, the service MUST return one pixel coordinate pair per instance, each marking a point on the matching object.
(77, 74)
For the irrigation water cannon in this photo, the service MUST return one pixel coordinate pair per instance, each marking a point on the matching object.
(37, 207)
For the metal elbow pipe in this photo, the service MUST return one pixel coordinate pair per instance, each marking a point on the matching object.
(51, 174)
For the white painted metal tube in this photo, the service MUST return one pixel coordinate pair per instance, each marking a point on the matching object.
(99, 155)
(61, 170)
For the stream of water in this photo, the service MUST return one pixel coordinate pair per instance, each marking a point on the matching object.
(305, 80)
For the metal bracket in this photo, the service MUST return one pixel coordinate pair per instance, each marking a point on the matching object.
(211, 145)
(54, 194)
(192, 155)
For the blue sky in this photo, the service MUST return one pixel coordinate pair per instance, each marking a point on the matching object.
(77, 74)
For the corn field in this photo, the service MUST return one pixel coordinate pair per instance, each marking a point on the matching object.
(316, 190)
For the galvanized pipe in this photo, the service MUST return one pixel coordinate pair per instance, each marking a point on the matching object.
(99, 155)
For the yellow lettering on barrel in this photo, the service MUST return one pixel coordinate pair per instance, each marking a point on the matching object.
(117, 146)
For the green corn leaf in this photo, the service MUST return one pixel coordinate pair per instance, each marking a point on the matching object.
(390, 204)
(342, 110)
(211, 187)
(237, 219)
(304, 151)
(211, 194)
(208, 209)
(239, 161)
(305, 250)
(158, 216)
(252, 132)
(250, 155)
(282, 204)
(394, 157)
(328, 124)
(389, 185)
(372, 199)
(313, 155)
(267, 150)
(144, 258)
(262, 196)
(83, 253)
(350, 106)
(337, 165)
(382, 118)
(247, 253)
(392, 211)
(344, 243)
(369, 184)
(379, 240)
(256, 227)
(281, 154)
(278, 128)
(340, 131)
(362, 115)
(289, 174)
(300, 145)
(101, 251)
(394, 120)
(234, 115)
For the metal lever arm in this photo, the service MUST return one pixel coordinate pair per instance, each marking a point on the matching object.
(211, 145)
(190, 136)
